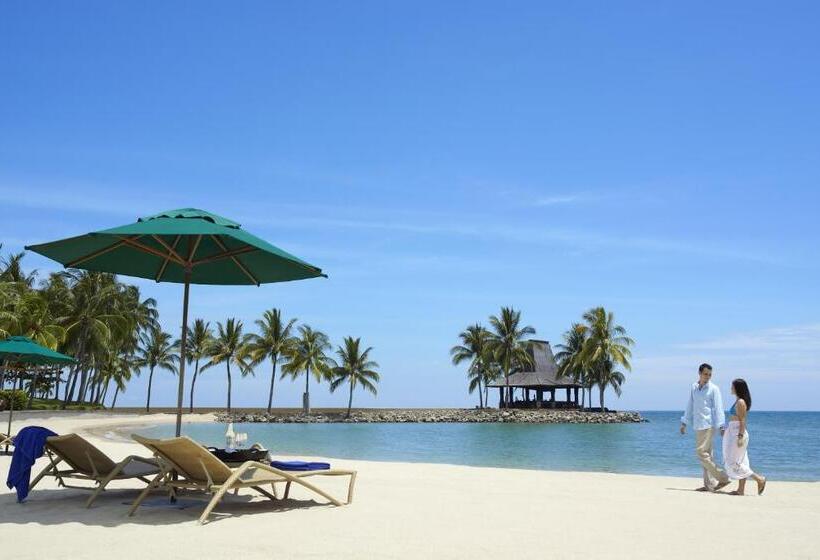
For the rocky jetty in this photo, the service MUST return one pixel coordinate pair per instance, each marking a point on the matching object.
(448, 415)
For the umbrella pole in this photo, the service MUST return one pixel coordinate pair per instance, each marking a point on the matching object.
(182, 351)
(11, 409)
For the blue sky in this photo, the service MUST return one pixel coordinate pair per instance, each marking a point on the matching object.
(439, 161)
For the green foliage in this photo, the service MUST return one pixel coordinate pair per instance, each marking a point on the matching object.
(20, 399)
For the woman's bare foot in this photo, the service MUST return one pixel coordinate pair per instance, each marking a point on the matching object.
(761, 486)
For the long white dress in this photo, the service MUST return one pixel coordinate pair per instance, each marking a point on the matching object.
(736, 457)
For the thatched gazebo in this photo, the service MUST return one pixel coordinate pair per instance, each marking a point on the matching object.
(542, 381)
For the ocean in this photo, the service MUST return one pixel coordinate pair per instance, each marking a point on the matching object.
(783, 445)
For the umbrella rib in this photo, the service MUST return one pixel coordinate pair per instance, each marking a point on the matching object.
(171, 250)
(166, 261)
(151, 251)
(98, 253)
(235, 260)
(219, 256)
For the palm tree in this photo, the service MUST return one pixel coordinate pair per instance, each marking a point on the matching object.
(508, 346)
(274, 340)
(475, 343)
(156, 351)
(307, 354)
(606, 347)
(570, 359)
(354, 367)
(227, 348)
(199, 339)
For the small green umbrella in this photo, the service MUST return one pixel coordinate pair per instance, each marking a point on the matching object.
(186, 246)
(21, 349)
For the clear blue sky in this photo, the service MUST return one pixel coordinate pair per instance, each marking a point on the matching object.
(439, 161)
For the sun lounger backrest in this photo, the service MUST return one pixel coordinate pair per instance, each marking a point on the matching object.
(192, 460)
(80, 454)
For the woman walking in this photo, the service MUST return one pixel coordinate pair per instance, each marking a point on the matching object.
(736, 441)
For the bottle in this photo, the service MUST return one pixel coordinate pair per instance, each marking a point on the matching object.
(230, 437)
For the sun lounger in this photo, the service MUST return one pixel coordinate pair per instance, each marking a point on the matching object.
(187, 465)
(6, 439)
(86, 462)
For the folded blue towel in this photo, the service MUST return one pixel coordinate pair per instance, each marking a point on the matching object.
(299, 466)
(29, 445)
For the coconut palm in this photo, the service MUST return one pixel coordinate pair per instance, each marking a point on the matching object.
(156, 350)
(307, 355)
(474, 347)
(354, 368)
(606, 347)
(570, 359)
(227, 347)
(274, 339)
(199, 340)
(508, 345)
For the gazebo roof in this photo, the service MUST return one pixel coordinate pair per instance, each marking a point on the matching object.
(545, 374)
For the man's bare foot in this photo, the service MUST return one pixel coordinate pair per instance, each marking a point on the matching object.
(735, 493)
(702, 489)
(761, 486)
(721, 485)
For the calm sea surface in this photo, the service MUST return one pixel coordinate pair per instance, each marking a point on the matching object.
(783, 445)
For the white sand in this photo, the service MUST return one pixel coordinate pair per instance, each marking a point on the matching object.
(416, 511)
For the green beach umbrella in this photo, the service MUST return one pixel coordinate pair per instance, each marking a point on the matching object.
(186, 246)
(21, 349)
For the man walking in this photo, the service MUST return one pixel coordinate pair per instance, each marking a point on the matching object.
(704, 412)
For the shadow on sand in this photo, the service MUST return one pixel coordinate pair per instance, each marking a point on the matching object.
(60, 506)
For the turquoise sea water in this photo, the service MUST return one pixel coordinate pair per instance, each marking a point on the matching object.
(783, 445)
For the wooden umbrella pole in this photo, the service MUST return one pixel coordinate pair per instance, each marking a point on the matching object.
(182, 351)
(11, 408)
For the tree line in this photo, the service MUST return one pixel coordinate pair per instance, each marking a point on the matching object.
(115, 335)
(592, 353)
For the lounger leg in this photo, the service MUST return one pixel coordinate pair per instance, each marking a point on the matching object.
(102, 484)
(154, 484)
(265, 493)
(350, 488)
(40, 476)
(212, 504)
(273, 488)
(287, 489)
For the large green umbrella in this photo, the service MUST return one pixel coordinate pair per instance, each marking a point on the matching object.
(186, 246)
(21, 349)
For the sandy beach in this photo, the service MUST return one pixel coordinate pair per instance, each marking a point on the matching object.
(404, 510)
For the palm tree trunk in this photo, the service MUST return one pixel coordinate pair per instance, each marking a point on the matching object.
(602, 388)
(228, 365)
(480, 396)
(114, 402)
(150, 381)
(350, 400)
(33, 385)
(306, 396)
(272, 379)
(193, 383)
(70, 391)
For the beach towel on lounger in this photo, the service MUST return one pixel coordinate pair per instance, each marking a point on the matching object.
(29, 445)
(299, 466)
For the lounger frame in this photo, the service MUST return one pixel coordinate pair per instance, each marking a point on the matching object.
(251, 474)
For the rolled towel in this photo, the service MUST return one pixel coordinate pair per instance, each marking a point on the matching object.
(299, 466)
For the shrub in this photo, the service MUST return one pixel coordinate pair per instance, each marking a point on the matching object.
(20, 399)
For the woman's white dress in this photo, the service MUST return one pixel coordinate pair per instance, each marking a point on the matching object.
(736, 457)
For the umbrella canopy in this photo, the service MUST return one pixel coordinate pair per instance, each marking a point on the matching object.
(22, 349)
(162, 247)
(186, 246)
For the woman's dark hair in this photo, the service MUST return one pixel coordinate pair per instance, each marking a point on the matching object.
(742, 392)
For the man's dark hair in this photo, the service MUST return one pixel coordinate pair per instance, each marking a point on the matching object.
(703, 367)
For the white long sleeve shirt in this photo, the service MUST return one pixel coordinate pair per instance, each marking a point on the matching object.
(705, 408)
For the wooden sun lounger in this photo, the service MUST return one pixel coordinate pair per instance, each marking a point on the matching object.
(186, 464)
(87, 462)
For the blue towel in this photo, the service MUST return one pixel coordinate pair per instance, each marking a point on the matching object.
(299, 466)
(29, 444)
